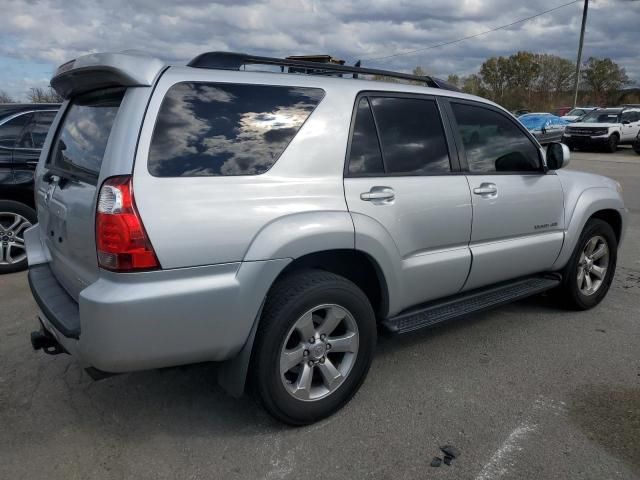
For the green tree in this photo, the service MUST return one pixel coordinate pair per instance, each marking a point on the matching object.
(494, 73)
(473, 85)
(555, 79)
(604, 79)
(454, 80)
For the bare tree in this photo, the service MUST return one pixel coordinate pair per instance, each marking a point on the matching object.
(5, 97)
(43, 95)
(604, 78)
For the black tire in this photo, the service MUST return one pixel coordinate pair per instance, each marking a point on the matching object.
(612, 143)
(569, 292)
(287, 301)
(8, 208)
(636, 146)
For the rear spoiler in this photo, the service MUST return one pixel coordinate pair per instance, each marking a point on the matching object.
(103, 70)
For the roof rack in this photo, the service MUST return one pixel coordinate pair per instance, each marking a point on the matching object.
(234, 61)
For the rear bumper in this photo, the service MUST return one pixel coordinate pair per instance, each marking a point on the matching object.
(138, 321)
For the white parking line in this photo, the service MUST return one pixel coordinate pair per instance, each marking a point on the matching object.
(502, 460)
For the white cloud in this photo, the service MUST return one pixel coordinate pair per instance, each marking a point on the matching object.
(54, 31)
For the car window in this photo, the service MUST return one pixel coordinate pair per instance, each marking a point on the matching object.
(10, 130)
(411, 135)
(210, 129)
(35, 132)
(365, 156)
(41, 125)
(492, 142)
(82, 138)
(599, 117)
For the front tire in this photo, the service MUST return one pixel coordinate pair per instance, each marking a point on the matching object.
(612, 143)
(588, 275)
(314, 346)
(15, 218)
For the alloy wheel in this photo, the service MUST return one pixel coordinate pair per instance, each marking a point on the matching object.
(593, 265)
(12, 248)
(319, 352)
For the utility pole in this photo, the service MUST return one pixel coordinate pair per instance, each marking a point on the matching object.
(579, 62)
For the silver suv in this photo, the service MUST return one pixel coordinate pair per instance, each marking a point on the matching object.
(273, 220)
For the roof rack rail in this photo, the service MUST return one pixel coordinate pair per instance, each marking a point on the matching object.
(234, 61)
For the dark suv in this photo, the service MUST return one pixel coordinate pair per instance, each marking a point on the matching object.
(23, 128)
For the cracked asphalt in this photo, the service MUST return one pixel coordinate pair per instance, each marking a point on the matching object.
(526, 391)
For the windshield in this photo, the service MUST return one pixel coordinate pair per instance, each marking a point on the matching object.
(575, 113)
(601, 117)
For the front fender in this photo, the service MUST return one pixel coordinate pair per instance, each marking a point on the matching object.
(299, 234)
(589, 202)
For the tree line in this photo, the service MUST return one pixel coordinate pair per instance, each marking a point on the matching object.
(35, 95)
(544, 82)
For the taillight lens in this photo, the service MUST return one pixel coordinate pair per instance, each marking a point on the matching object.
(121, 241)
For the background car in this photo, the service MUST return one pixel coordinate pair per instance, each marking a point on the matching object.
(545, 127)
(577, 113)
(605, 127)
(562, 111)
(520, 112)
(23, 128)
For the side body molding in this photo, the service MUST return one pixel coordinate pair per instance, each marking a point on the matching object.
(578, 212)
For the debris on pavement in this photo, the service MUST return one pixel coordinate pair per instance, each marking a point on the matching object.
(436, 462)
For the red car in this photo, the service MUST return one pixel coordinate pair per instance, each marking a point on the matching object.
(562, 111)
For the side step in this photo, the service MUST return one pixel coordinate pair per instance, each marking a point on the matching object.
(469, 302)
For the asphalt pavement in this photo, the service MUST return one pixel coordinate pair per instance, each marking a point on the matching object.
(526, 391)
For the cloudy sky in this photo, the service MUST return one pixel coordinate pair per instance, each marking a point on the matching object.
(38, 35)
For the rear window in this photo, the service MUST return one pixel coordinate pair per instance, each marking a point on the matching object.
(212, 129)
(81, 141)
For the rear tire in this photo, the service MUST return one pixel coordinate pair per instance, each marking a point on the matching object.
(584, 282)
(296, 378)
(612, 143)
(15, 218)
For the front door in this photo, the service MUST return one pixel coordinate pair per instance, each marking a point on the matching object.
(518, 209)
(400, 182)
(630, 125)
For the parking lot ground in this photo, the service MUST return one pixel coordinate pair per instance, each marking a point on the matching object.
(526, 391)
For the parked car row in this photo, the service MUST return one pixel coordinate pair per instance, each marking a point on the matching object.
(23, 129)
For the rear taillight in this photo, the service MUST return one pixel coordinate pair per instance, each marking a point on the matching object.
(121, 241)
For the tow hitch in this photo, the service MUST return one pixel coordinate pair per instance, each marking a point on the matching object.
(43, 340)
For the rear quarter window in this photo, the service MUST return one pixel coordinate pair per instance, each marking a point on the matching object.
(214, 129)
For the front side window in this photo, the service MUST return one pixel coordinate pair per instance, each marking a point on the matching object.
(492, 142)
(82, 139)
(10, 130)
(212, 129)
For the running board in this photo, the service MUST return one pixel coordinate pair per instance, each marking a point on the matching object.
(469, 302)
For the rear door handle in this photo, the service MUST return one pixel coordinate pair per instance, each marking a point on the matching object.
(378, 195)
(486, 189)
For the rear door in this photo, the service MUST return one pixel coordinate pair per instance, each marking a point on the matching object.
(67, 191)
(401, 176)
(518, 208)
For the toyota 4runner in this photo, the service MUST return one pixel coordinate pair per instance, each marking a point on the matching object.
(273, 221)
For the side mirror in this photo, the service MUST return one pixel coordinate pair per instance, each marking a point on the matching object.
(558, 156)
(626, 122)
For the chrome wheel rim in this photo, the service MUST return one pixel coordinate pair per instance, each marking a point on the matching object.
(12, 248)
(319, 352)
(593, 265)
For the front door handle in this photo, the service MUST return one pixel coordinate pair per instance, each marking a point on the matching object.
(378, 195)
(486, 189)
